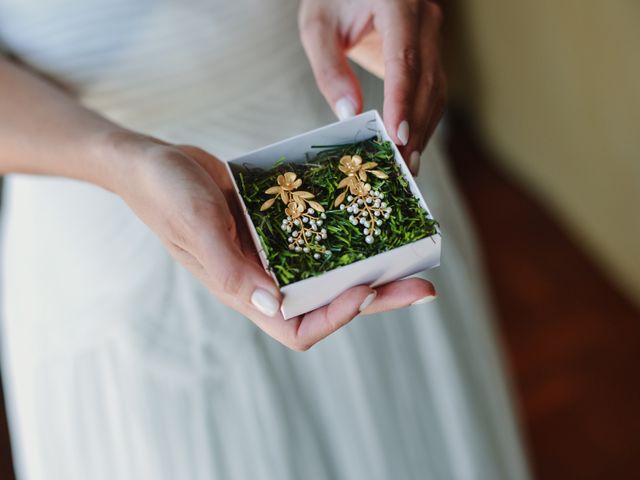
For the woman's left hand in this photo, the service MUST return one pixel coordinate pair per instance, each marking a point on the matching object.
(398, 40)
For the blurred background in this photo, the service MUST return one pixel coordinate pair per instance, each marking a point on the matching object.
(543, 133)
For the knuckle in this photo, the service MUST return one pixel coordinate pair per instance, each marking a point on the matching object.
(407, 58)
(411, 58)
(311, 22)
(428, 80)
(298, 345)
(230, 282)
(328, 74)
(333, 323)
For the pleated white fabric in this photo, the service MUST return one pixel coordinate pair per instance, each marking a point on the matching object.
(119, 365)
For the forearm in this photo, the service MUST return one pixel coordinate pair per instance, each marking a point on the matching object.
(45, 131)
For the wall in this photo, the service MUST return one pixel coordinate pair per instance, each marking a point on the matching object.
(555, 88)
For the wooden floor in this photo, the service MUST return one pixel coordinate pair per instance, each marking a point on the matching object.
(572, 340)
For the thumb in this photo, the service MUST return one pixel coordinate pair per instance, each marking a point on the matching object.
(237, 279)
(333, 74)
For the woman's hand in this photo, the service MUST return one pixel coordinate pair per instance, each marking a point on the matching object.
(398, 40)
(182, 193)
(186, 197)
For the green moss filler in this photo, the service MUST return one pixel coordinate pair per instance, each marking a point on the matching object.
(345, 243)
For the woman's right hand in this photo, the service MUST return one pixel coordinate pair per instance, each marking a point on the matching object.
(186, 197)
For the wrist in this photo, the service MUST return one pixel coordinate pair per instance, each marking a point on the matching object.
(121, 155)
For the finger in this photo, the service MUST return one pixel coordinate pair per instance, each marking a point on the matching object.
(400, 294)
(436, 115)
(399, 27)
(367, 53)
(429, 89)
(307, 330)
(326, 52)
(237, 280)
(219, 174)
(429, 110)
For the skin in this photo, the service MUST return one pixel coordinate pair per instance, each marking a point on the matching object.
(183, 193)
(398, 40)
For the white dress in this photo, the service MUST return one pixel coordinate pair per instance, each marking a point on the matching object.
(118, 364)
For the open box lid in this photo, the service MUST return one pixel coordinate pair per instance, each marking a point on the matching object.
(309, 294)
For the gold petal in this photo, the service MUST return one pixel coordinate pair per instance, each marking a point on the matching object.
(303, 194)
(369, 165)
(316, 206)
(356, 159)
(363, 175)
(285, 196)
(272, 190)
(297, 184)
(281, 180)
(290, 177)
(267, 204)
(344, 182)
(340, 198)
(379, 173)
(345, 159)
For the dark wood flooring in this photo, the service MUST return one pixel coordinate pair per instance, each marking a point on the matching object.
(573, 341)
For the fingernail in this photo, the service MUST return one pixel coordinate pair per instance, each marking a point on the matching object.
(345, 108)
(368, 301)
(265, 302)
(427, 299)
(414, 163)
(403, 132)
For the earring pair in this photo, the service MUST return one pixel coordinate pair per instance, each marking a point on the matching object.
(305, 216)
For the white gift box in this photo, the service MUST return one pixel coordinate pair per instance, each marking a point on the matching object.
(306, 295)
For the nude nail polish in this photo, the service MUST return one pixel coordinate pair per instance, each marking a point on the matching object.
(345, 108)
(368, 300)
(265, 302)
(427, 299)
(403, 132)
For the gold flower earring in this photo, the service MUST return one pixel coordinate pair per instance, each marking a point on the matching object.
(366, 206)
(304, 216)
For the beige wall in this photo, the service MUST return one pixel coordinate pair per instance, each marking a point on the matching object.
(557, 92)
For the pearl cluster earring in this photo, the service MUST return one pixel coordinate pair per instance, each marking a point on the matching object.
(304, 215)
(365, 205)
